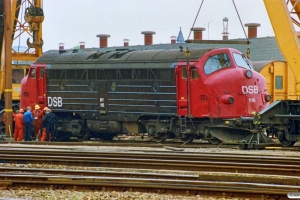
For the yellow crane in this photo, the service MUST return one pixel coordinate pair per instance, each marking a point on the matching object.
(282, 117)
(284, 16)
(21, 19)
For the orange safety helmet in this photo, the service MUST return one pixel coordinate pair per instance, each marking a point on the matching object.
(21, 110)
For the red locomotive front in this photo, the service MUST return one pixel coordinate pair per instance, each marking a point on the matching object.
(221, 84)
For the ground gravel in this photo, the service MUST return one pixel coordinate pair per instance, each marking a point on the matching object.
(30, 194)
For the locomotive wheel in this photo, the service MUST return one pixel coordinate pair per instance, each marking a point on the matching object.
(158, 139)
(287, 143)
(214, 141)
(63, 137)
(83, 138)
(283, 140)
(107, 136)
(187, 139)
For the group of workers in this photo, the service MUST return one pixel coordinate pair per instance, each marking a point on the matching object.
(31, 124)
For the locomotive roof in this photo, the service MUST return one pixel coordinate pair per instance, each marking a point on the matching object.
(160, 57)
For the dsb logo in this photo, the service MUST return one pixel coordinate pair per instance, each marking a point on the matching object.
(250, 89)
(55, 101)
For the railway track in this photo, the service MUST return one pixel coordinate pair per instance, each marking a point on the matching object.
(127, 143)
(187, 173)
(244, 163)
(136, 141)
(186, 185)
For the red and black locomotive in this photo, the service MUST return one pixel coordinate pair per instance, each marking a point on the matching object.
(188, 95)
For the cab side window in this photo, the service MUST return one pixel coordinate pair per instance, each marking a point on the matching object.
(195, 74)
(42, 72)
(33, 73)
(216, 62)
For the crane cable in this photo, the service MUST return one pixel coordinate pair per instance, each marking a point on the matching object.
(248, 49)
(195, 19)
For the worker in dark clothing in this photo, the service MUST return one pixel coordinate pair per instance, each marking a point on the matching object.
(49, 120)
(28, 121)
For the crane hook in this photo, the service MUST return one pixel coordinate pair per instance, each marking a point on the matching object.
(35, 44)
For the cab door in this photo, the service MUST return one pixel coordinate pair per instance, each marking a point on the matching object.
(41, 86)
(181, 90)
(192, 100)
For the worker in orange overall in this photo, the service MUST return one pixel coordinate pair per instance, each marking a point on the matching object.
(38, 120)
(4, 117)
(19, 126)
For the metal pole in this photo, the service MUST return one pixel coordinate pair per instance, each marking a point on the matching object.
(8, 67)
(187, 53)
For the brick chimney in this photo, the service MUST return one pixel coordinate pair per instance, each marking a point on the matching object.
(197, 32)
(148, 38)
(126, 42)
(103, 40)
(82, 45)
(61, 46)
(252, 29)
(173, 39)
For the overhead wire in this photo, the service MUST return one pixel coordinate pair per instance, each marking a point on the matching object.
(248, 49)
(196, 18)
(240, 19)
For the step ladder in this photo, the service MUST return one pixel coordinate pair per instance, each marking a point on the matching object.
(183, 126)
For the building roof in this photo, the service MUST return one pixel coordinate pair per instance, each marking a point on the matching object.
(261, 49)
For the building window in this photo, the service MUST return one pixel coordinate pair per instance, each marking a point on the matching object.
(278, 82)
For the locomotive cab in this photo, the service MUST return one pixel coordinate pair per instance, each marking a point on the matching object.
(222, 84)
(33, 90)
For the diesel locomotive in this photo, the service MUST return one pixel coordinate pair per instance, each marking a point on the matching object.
(184, 94)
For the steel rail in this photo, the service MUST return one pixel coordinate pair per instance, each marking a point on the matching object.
(174, 155)
(126, 143)
(158, 174)
(149, 163)
(187, 187)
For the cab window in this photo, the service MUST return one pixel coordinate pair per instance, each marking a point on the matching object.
(242, 61)
(195, 74)
(184, 72)
(217, 62)
(32, 73)
(42, 73)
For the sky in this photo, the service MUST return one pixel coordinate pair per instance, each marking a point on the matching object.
(71, 22)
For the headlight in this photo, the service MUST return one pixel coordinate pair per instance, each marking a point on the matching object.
(248, 73)
(268, 98)
(231, 100)
(227, 99)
